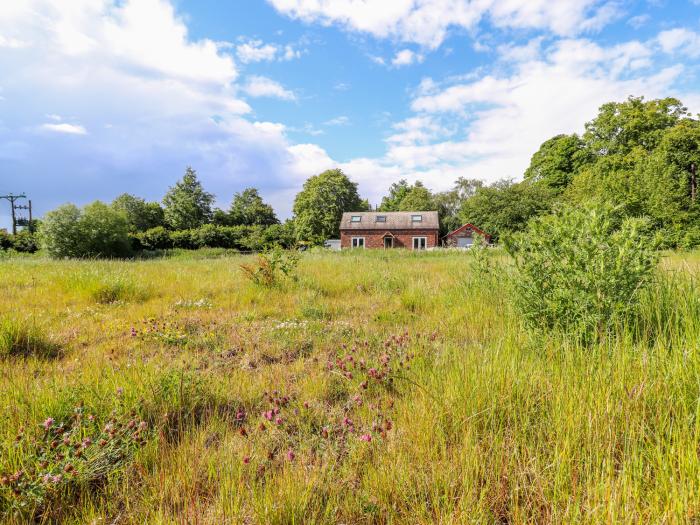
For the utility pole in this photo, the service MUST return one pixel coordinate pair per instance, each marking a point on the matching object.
(693, 183)
(12, 198)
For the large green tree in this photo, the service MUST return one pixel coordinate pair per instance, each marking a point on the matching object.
(619, 127)
(187, 205)
(98, 230)
(557, 161)
(505, 206)
(140, 215)
(397, 192)
(319, 206)
(248, 209)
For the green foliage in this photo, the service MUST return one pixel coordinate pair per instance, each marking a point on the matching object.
(157, 238)
(622, 126)
(140, 215)
(248, 209)
(397, 192)
(98, 230)
(5, 240)
(187, 205)
(505, 206)
(20, 338)
(418, 198)
(271, 268)
(580, 271)
(25, 242)
(557, 160)
(319, 206)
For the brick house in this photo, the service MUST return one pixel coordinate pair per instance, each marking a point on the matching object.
(415, 230)
(464, 236)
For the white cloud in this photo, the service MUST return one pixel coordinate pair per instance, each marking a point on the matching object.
(255, 51)
(258, 86)
(406, 57)
(342, 120)
(426, 22)
(258, 51)
(70, 129)
(681, 41)
(12, 43)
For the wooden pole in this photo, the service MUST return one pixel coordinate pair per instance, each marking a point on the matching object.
(14, 219)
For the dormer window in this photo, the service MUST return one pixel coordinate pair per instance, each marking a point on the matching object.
(416, 218)
(381, 218)
(356, 218)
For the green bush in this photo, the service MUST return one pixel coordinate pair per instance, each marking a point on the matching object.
(580, 271)
(5, 240)
(271, 268)
(95, 231)
(157, 238)
(25, 242)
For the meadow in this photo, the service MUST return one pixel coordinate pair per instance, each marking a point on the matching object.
(372, 387)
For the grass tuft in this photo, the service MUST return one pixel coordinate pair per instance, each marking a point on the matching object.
(21, 338)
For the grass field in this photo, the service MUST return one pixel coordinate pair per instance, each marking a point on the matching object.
(384, 387)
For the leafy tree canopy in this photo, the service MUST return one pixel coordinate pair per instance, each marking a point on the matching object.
(140, 215)
(248, 209)
(506, 206)
(98, 230)
(557, 160)
(319, 206)
(186, 204)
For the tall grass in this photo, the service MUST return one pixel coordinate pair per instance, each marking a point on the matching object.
(407, 388)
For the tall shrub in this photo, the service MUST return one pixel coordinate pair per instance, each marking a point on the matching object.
(581, 270)
(97, 230)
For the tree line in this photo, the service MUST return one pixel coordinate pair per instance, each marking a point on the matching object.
(641, 156)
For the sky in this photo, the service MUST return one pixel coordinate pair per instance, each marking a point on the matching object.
(102, 97)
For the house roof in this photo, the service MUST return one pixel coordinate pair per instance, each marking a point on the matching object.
(395, 220)
(471, 227)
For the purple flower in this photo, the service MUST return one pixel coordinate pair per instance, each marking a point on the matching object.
(290, 455)
(366, 437)
(47, 424)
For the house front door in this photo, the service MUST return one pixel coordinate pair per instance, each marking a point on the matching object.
(388, 242)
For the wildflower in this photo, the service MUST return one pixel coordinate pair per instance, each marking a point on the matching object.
(290, 455)
(366, 437)
(357, 399)
(246, 460)
(347, 422)
(324, 432)
(278, 421)
(240, 415)
(262, 426)
(56, 479)
(47, 423)
(91, 417)
(243, 432)
(133, 332)
(306, 404)
(120, 391)
(268, 415)
(363, 385)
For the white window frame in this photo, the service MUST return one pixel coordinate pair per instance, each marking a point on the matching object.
(356, 218)
(416, 218)
(425, 242)
(355, 242)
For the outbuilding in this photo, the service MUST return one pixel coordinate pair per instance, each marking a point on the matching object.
(415, 230)
(465, 236)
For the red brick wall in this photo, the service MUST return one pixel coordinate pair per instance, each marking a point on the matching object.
(402, 238)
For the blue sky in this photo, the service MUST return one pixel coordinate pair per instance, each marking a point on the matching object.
(101, 97)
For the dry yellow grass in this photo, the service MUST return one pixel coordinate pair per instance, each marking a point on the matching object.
(471, 419)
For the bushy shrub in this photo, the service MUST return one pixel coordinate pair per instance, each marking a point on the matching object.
(271, 268)
(580, 271)
(5, 240)
(25, 242)
(157, 238)
(95, 231)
